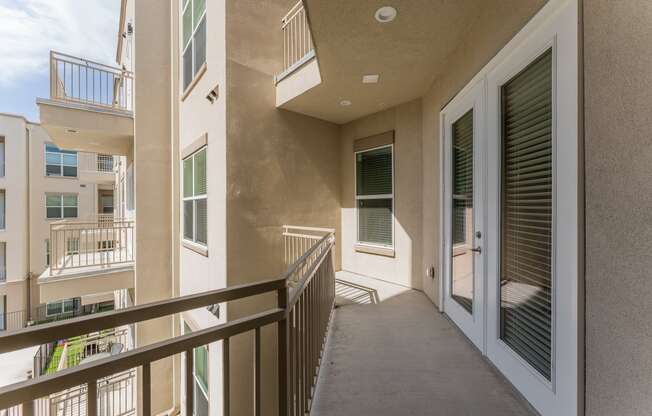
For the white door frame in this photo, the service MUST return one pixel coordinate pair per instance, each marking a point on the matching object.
(556, 26)
(472, 324)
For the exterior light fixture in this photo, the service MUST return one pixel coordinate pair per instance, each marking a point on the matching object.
(385, 14)
(72, 131)
(370, 79)
(345, 103)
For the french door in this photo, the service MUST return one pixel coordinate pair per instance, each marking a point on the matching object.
(510, 210)
(464, 164)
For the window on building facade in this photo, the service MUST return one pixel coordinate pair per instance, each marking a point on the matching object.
(2, 156)
(61, 206)
(3, 261)
(195, 199)
(200, 378)
(193, 38)
(2, 210)
(59, 307)
(60, 162)
(375, 196)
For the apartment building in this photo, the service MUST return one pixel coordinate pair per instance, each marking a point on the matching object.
(477, 170)
(43, 185)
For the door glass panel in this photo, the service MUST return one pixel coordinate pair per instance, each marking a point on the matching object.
(462, 270)
(526, 215)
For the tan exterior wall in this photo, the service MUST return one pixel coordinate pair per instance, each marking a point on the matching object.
(404, 268)
(152, 160)
(282, 168)
(40, 185)
(483, 40)
(618, 151)
(26, 186)
(14, 234)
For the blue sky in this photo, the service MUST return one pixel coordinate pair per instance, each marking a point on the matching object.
(29, 29)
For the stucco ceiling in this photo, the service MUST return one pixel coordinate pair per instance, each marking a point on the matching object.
(407, 53)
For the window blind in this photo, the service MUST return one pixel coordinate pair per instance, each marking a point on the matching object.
(526, 214)
(374, 172)
(374, 197)
(462, 175)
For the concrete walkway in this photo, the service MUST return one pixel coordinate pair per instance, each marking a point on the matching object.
(397, 355)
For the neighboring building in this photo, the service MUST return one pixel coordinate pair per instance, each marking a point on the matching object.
(42, 185)
(491, 155)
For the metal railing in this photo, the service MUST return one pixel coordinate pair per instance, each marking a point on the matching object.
(101, 242)
(104, 163)
(297, 40)
(302, 317)
(81, 81)
(297, 240)
(13, 320)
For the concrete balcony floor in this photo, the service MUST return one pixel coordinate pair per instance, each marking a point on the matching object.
(390, 352)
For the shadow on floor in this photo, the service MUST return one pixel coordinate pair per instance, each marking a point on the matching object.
(347, 293)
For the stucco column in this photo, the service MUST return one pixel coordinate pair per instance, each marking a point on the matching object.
(153, 182)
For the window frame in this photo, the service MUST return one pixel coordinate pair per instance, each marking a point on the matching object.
(47, 252)
(61, 164)
(62, 206)
(373, 197)
(196, 72)
(193, 198)
(62, 303)
(205, 390)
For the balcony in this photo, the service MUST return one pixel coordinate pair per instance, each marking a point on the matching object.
(96, 168)
(300, 69)
(89, 258)
(90, 106)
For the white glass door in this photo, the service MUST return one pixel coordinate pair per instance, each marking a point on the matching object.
(464, 162)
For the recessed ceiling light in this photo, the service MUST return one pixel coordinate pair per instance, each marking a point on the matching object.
(345, 103)
(370, 79)
(385, 14)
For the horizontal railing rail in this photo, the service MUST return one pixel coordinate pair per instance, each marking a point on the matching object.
(302, 317)
(103, 241)
(297, 40)
(82, 81)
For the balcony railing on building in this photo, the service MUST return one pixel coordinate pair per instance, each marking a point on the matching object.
(80, 81)
(102, 241)
(297, 40)
(301, 317)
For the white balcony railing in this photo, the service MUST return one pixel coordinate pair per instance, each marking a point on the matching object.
(101, 242)
(297, 40)
(81, 81)
(104, 163)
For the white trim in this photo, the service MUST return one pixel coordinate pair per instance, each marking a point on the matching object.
(369, 197)
(472, 324)
(554, 25)
(193, 244)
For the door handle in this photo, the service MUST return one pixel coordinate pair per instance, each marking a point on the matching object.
(477, 250)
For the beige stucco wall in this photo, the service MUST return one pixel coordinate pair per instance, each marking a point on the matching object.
(14, 234)
(494, 28)
(153, 180)
(404, 268)
(40, 185)
(618, 155)
(282, 168)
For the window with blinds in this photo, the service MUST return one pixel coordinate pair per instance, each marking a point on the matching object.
(374, 196)
(195, 198)
(462, 176)
(526, 214)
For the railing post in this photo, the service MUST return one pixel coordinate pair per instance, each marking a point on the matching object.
(283, 346)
